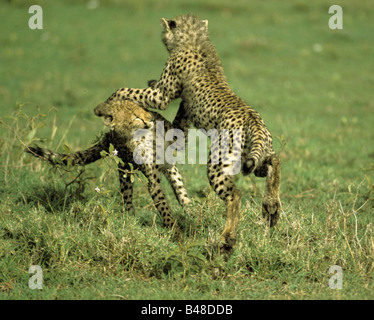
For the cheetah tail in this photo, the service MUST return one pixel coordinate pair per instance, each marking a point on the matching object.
(46, 154)
(78, 158)
(252, 160)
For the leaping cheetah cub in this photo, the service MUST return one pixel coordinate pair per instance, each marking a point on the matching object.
(194, 73)
(124, 118)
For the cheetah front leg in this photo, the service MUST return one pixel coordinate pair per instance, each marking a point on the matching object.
(181, 120)
(159, 199)
(271, 204)
(146, 98)
(159, 93)
(126, 187)
(174, 177)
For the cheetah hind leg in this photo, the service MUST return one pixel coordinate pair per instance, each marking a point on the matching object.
(251, 165)
(271, 202)
(248, 166)
(224, 186)
(228, 236)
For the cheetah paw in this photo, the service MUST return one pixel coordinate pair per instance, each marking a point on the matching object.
(226, 246)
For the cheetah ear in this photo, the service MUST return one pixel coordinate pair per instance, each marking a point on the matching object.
(168, 24)
(206, 24)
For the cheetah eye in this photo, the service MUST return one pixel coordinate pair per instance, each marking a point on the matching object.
(139, 121)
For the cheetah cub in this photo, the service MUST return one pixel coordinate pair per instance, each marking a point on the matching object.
(194, 73)
(125, 118)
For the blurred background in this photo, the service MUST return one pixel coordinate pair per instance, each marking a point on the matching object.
(312, 85)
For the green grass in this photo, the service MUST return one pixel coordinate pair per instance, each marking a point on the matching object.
(313, 87)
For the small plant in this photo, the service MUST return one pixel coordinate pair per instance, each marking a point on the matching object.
(187, 258)
(112, 155)
(21, 130)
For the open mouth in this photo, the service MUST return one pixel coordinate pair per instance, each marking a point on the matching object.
(108, 120)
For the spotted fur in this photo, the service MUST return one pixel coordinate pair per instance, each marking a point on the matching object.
(124, 118)
(194, 73)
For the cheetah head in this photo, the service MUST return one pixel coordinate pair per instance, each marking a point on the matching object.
(124, 117)
(184, 31)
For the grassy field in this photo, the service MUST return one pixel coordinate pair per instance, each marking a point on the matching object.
(314, 88)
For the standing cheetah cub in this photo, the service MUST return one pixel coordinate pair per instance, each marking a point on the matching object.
(194, 73)
(124, 118)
